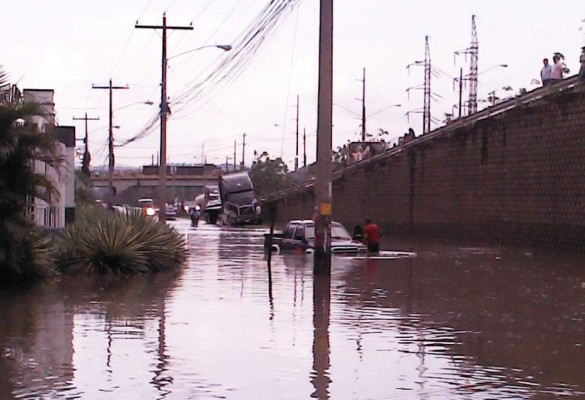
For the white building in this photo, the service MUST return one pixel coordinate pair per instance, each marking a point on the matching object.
(53, 211)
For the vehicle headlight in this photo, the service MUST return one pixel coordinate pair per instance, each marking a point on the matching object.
(150, 211)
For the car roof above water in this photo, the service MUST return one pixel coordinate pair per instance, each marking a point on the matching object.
(310, 222)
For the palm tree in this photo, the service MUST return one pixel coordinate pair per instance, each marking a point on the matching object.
(23, 252)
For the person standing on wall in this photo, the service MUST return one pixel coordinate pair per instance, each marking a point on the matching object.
(556, 74)
(372, 234)
(582, 62)
(545, 72)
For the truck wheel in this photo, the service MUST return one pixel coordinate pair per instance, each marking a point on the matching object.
(275, 248)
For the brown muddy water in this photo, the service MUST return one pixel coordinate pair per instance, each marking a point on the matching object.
(452, 322)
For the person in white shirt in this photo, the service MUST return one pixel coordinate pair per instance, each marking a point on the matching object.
(556, 74)
(545, 72)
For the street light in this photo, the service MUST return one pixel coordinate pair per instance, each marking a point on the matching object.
(384, 109)
(224, 47)
(164, 110)
(493, 67)
(147, 102)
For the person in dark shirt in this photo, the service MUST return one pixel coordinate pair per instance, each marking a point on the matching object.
(372, 234)
(358, 233)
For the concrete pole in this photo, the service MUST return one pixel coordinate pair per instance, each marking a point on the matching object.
(460, 91)
(322, 255)
(364, 106)
(162, 165)
(297, 138)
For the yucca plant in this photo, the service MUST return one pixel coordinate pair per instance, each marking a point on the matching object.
(107, 242)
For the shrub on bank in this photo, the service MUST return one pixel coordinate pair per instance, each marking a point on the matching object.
(107, 242)
(25, 254)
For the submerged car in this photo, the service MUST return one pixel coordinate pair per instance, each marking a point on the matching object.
(299, 236)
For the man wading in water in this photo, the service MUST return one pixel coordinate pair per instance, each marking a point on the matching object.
(372, 234)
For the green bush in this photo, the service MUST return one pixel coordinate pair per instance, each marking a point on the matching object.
(24, 253)
(106, 242)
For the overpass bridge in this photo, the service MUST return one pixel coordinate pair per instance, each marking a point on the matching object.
(509, 174)
(129, 187)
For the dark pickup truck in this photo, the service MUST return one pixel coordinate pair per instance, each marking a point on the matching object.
(299, 236)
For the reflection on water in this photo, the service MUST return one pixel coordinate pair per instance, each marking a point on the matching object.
(452, 322)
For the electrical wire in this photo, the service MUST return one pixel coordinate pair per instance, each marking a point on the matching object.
(290, 73)
(230, 67)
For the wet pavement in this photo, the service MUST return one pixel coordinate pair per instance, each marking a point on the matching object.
(448, 322)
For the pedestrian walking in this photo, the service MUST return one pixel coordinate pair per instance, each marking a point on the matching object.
(372, 234)
(582, 62)
(545, 72)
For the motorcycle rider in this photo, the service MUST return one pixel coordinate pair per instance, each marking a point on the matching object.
(195, 215)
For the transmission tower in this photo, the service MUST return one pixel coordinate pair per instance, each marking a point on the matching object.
(427, 89)
(426, 86)
(474, 53)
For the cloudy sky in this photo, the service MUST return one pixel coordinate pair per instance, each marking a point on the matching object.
(68, 45)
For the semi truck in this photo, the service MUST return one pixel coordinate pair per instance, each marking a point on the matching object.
(240, 205)
(209, 204)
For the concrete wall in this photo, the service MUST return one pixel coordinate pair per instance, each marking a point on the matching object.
(517, 177)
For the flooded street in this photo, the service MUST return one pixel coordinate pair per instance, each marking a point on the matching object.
(452, 322)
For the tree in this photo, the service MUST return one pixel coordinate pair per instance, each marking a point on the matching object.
(23, 251)
(269, 175)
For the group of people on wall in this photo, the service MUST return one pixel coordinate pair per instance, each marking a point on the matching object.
(551, 74)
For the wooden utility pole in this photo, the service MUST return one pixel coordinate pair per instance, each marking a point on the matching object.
(364, 106)
(86, 155)
(111, 162)
(304, 148)
(322, 254)
(297, 138)
(164, 110)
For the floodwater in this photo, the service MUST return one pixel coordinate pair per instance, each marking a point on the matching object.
(452, 322)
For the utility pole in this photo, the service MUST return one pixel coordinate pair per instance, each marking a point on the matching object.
(323, 195)
(234, 155)
(297, 140)
(164, 111)
(427, 89)
(111, 162)
(460, 91)
(86, 155)
(243, 151)
(364, 106)
(304, 148)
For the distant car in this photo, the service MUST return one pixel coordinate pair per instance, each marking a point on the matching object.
(299, 236)
(148, 207)
(171, 212)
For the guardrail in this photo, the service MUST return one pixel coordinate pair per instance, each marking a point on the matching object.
(521, 100)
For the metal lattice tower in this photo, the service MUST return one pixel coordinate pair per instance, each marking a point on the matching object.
(473, 68)
(427, 89)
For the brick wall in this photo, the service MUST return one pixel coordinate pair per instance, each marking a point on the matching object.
(517, 177)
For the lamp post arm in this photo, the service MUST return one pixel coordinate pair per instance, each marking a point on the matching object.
(224, 47)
